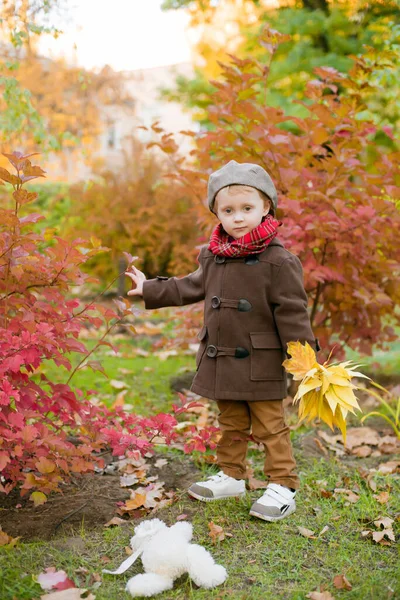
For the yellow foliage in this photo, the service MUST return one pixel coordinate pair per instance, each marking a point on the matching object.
(303, 359)
(325, 391)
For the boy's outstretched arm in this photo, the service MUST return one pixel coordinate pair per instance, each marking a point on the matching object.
(164, 291)
(137, 278)
(290, 304)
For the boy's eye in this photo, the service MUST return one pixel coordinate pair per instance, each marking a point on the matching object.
(228, 210)
(247, 208)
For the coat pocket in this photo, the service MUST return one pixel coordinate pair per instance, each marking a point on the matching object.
(202, 337)
(266, 357)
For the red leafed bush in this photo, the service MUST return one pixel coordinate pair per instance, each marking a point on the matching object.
(48, 430)
(338, 182)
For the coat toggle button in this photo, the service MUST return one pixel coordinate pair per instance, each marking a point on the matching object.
(212, 351)
(244, 305)
(241, 352)
(215, 302)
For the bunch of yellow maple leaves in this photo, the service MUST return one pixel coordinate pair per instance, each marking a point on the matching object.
(326, 391)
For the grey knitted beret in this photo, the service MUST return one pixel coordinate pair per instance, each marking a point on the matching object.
(241, 174)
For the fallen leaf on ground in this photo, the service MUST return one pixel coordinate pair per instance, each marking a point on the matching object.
(356, 436)
(71, 594)
(182, 517)
(118, 385)
(128, 479)
(255, 484)
(114, 521)
(324, 530)
(164, 354)
(161, 462)
(389, 444)
(153, 493)
(385, 531)
(379, 536)
(325, 493)
(384, 522)
(320, 596)
(119, 400)
(134, 502)
(7, 540)
(361, 451)
(216, 533)
(53, 579)
(350, 496)
(342, 583)
(306, 532)
(392, 466)
(382, 498)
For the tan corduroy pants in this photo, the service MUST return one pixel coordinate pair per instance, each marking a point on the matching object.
(265, 421)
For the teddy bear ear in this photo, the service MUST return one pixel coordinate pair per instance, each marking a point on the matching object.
(183, 528)
(150, 527)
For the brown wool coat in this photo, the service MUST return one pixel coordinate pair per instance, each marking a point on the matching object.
(253, 307)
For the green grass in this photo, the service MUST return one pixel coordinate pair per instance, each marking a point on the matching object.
(264, 560)
(147, 378)
(382, 363)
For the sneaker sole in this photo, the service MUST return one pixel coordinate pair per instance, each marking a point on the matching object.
(253, 513)
(204, 499)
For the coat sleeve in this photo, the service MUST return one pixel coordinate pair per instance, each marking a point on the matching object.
(164, 291)
(289, 301)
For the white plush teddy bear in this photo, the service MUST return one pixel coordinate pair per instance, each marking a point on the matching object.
(166, 554)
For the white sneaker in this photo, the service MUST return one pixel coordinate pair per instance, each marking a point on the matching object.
(276, 503)
(217, 487)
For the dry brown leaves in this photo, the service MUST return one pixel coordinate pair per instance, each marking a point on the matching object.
(361, 442)
(217, 533)
(342, 583)
(384, 534)
(253, 482)
(320, 596)
(308, 533)
(6, 540)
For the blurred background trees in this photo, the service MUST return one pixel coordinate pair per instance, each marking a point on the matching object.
(322, 33)
(308, 89)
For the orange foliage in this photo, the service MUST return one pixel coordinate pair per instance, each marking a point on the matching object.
(338, 190)
(134, 210)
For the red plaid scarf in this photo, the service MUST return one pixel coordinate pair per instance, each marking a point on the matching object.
(253, 242)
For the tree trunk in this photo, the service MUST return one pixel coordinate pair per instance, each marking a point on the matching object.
(316, 5)
(321, 40)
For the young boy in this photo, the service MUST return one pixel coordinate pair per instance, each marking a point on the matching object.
(255, 304)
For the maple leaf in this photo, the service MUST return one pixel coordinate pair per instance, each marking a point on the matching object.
(325, 391)
(216, 532)
(135, 502)
(342, 583)
(302, 360)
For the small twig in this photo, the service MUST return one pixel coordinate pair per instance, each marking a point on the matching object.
(71, 514)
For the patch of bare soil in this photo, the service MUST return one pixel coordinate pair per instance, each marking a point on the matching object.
(87, 500)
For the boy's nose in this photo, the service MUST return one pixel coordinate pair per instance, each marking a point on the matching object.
(238, 217)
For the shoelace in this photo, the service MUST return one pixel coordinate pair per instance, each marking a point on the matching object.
(218, 477)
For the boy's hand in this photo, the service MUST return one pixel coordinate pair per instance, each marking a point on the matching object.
(137, 278)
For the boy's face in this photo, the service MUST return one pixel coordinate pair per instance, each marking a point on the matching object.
(240, 209)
